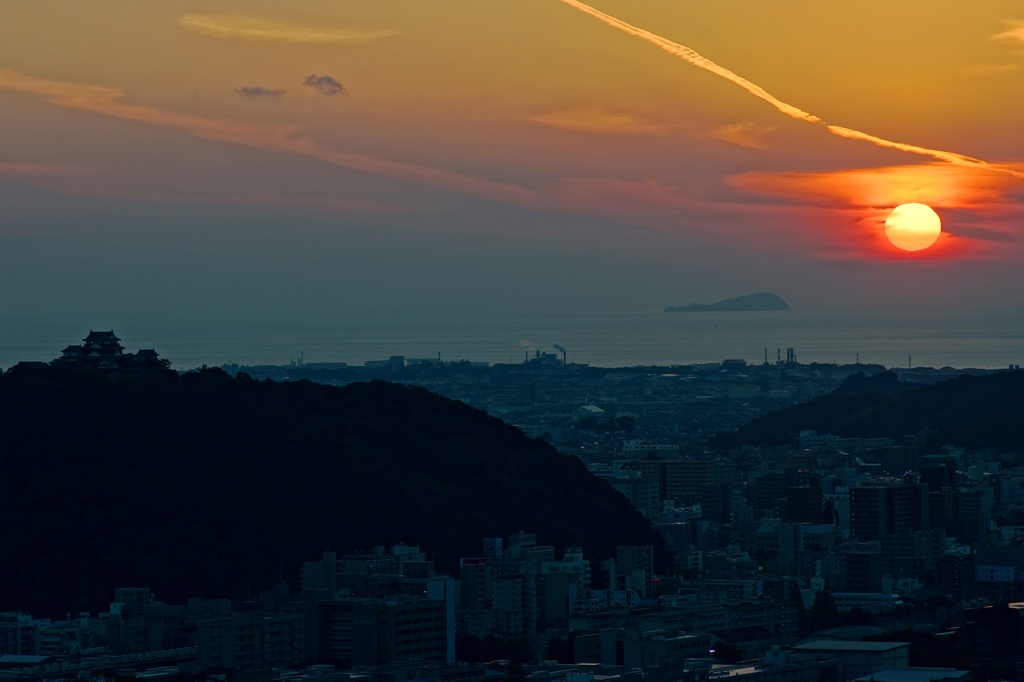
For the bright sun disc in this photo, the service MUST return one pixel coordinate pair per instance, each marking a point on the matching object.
(913, 227)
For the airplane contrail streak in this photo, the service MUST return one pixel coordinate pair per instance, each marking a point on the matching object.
(949, 157)
(692, 56)
(695, 58)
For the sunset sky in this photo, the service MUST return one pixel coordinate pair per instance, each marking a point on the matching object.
(262, 156)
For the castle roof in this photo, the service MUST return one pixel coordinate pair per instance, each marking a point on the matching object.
(103, 350)
(101, 337)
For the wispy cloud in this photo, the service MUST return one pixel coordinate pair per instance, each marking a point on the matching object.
(1014, 32)
(252, 29)
(41, 169)
(984, 70)
(286, 139)
(745, 134)
(693, 57)
(259, 91)
(629, 198)
(325, 85)
(1013, 38)
(938, 185)
(598, 120)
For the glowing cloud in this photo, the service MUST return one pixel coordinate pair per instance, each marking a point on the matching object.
(938, 185)
(256, 30)
(1016, 32)
(598, 120)
(866, 197)
(268, 137)
(749, 135)
(689, 55)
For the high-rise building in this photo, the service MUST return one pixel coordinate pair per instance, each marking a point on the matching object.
(475, 579)
(766, 492)
(382, 631)
(134, 600)
(680, 479)
(641, 492)
(716, 503)
(251, 640)
(514, 600)
(636, 564)
(19, 633)
(803, 503)
(880, 510)
(321, 575)
(863, 572)
(939, 474)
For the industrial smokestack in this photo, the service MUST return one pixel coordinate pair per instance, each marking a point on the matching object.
(560, 347)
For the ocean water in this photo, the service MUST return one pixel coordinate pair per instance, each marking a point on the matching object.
(992, 338)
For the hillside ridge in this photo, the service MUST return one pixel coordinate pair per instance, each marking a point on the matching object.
(205, 485)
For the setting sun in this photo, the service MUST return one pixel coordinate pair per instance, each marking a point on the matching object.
(913, 227)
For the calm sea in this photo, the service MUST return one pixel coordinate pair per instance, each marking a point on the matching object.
(983, 339)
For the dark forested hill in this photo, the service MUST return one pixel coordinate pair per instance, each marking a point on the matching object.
(207, 485)
(970, 411)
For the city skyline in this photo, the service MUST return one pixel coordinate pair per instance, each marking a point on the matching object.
(551, 155)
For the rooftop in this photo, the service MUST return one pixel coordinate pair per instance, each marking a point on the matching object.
(916, 675)
(14, 660)
(98, 337)
(832, 645)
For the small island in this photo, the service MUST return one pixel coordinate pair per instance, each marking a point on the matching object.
(751, 302)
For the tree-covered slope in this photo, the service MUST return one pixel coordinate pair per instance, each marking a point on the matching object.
(207, 485)
(970, 411)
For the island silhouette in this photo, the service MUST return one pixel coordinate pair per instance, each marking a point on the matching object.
(751, 302)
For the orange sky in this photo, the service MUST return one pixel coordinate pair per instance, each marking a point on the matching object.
(783, 134)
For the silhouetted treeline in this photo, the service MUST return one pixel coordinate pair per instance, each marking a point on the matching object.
(204, 485)
(968, 411)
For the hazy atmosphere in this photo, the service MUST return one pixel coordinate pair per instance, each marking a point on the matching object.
(204, 158)
(511, 341)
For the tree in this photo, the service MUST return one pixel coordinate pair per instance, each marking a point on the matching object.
(561, 648)
(724, 651)
(824, 613)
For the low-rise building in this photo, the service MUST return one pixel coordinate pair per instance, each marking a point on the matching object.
(859, 659)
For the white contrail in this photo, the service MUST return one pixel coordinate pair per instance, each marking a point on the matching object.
(692, 56)
(948, 157)
(695, 58)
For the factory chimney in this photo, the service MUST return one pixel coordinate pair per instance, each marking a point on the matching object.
(560, 347)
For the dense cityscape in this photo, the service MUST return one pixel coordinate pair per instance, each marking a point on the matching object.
(825, 557)
(781, 242)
